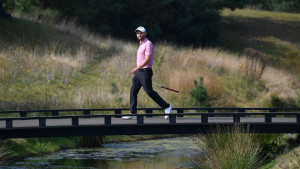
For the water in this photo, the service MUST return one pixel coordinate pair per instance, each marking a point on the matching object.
(171, 153)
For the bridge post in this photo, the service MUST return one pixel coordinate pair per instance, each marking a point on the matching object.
(149, 112)
(23, 114)
(86, 112)
(180, 112)
(268, 118)
(140, 120)
(236, 118)
(211, 111)
(242, 111)
(204, 118)
(9, 123)
(42, 122)
(54, 113)
(272, 110)
(172, 119)
(75, 121)
(118, 112)
(298, 119)
(107, 120)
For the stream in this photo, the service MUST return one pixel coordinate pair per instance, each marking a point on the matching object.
(169, 153)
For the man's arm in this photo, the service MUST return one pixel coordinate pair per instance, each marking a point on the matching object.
(146, 61)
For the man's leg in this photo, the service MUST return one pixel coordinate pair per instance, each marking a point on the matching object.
(135, 88)
(146, 81)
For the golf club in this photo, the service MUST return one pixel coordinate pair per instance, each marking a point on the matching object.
(166, 88)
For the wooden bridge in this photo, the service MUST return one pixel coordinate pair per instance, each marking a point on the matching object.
(99, 122)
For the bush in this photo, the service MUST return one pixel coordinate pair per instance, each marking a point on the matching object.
(199, 96)
(21, 6)
(228, 148)
(256, 62)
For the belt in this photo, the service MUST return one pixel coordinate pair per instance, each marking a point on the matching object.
(145, 69)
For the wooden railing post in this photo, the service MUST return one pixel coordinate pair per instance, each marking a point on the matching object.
(172, 119)
(268, 118)
(149, 112)
(211, 110)
(107, 120)
(298, 118)
(236, 119)
(23, 114)
(140, 120)
(242, 111)
(86, 112)
(204, 118)
(118, 112)
(42, 122)
(75, 121)
(180, 112)
(9, 123)
(54, 113)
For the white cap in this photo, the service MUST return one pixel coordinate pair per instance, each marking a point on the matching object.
(140, 28)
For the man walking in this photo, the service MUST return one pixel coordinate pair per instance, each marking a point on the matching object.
(143, 75)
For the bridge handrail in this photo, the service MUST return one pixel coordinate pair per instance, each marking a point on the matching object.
(127, 109)
(161, 114)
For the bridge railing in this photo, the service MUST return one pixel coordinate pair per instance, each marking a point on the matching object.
(203, 118)
(149, 111)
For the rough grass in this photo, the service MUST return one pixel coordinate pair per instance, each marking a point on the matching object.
(35, 146)
(289, 160)
(228, 148)
(275, 33)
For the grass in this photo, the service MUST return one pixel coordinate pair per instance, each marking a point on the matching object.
(289, 160)
(229, 148)
(274, 33)
(5, 155)
(16, 149)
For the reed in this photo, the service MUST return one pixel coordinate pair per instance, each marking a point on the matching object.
(228, 148)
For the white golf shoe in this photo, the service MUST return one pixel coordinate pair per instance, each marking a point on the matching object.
(129, 117)
(168, 111)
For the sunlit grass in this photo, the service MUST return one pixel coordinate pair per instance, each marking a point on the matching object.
(274, 33)
(289, 160)
(261, 14)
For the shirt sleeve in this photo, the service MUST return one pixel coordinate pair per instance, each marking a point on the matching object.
(149, 49)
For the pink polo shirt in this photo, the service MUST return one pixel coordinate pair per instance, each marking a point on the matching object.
(146, 48)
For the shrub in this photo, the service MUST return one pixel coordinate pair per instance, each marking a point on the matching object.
(199, 96)
(227, 148)
(256, 62)
(5, 154)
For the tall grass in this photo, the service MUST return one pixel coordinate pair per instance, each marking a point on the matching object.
(226, 148)
(5, 155)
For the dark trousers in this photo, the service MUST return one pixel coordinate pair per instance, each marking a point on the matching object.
(144, 78)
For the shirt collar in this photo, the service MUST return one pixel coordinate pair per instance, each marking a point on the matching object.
(144, 41)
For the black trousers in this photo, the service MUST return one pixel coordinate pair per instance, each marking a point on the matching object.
(144, 78)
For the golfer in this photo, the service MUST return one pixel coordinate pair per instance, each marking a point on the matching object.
(143, 75)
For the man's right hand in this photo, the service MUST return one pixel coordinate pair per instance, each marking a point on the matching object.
(133, 71)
